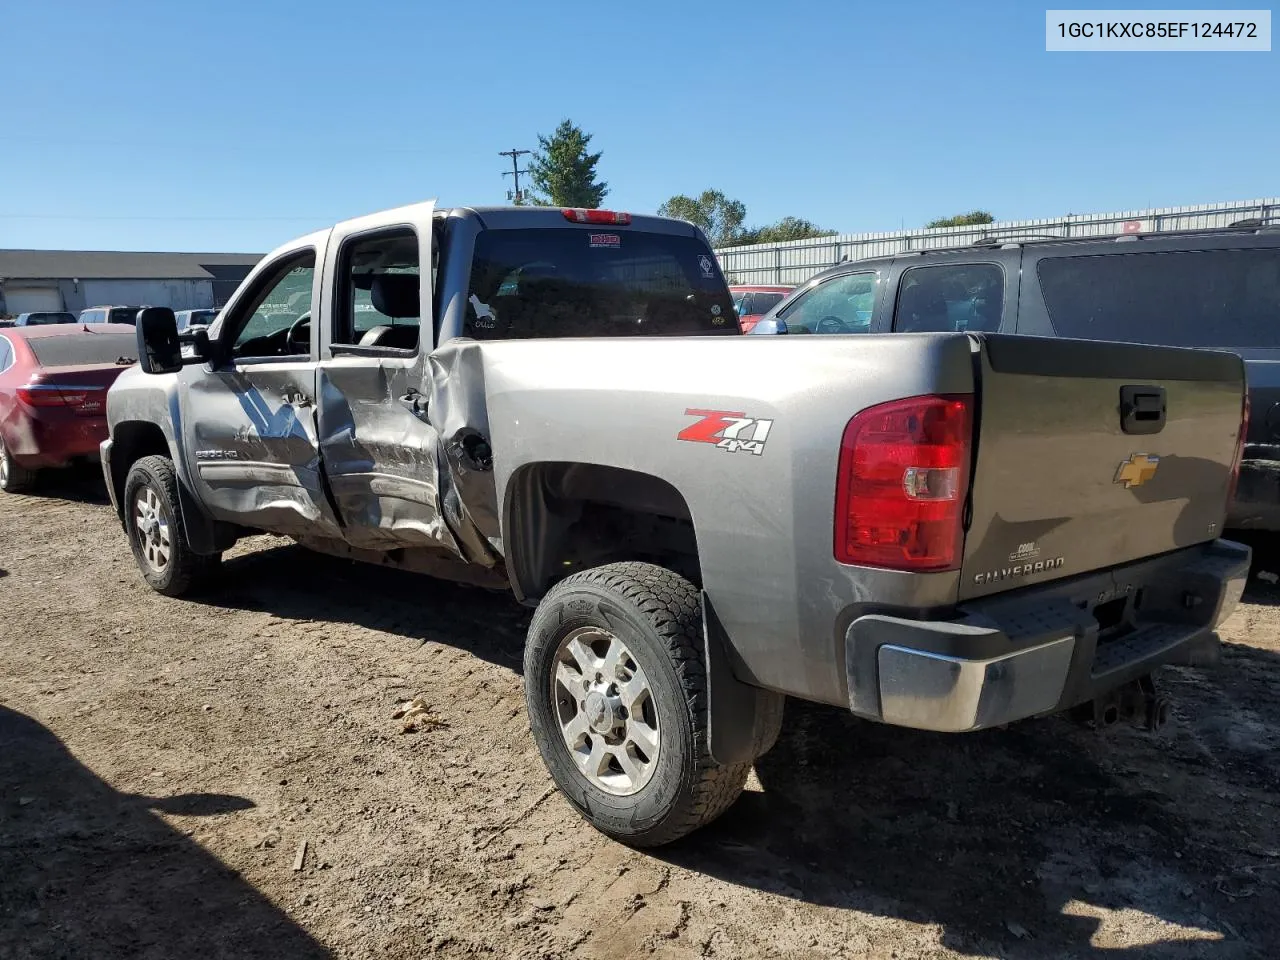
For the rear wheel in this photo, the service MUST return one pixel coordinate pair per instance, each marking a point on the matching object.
(617, 695)
(153, 520)
(13, 478)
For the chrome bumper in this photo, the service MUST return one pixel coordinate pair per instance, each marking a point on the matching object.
(930, 691)
(1042, 650)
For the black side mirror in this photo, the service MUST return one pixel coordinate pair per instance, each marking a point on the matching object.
(158, 348)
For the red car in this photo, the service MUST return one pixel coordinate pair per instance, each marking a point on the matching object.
(752, 302)
(53, 394)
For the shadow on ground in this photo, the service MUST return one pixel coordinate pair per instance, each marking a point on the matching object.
(81, 484)
(294, 583)
(87, 871)
(1011, 840)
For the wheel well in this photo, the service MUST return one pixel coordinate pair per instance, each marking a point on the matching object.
(565, 517)
(130, 442)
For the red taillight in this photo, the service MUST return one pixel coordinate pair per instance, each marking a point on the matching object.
(580, 215)
(81, 399)
(1239, 455)
(902, 482)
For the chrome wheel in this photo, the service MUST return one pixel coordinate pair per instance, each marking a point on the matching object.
(606, 711)
(152, 524)
(4, 465)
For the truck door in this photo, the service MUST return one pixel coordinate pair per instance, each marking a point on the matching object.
(380, 451)
(249, 424)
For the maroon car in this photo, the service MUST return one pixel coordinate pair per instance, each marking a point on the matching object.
(53, 394)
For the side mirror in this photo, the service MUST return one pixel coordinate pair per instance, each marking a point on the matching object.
(768, 328)
(158, 348)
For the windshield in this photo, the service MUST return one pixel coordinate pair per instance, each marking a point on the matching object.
(570, 282)
(1194, 298)
(78, 348)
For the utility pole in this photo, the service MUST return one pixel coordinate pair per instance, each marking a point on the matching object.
(514, 172)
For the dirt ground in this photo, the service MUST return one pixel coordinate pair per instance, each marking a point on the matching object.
(163, 761)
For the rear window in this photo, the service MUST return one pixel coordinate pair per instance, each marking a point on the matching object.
(594, 283)
(78, 348)
(1194, 298)
(37, 319)
(124, 315)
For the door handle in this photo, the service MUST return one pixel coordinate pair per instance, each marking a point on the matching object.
(415, 403)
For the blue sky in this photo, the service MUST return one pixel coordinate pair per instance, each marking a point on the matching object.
(236, 125)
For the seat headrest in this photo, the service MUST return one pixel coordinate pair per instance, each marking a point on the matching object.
(395, 295)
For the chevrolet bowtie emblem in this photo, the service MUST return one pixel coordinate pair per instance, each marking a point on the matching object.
(1137, 470)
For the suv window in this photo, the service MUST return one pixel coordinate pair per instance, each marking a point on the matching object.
(948, 297)
(1193, 298)
(379, 298)
(282, 305)
(839, 305)
(127, 315)
(600, 282)
(762, 303)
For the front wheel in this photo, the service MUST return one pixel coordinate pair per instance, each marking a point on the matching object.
(153, 520)
(616, 687)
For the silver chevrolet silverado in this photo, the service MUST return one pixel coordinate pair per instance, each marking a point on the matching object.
(942, 531)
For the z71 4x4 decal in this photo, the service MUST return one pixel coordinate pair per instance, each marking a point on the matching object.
(729, 431)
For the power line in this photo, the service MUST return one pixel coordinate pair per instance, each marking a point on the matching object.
(515, 171)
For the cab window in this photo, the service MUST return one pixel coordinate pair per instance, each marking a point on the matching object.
(379, 298)
(839, 305)
(276, 322)
(950, 297)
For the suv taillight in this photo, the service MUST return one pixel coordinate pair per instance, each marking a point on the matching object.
(1239, 456)
(902, 482)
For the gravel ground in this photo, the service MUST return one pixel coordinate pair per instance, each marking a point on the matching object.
(163, 763)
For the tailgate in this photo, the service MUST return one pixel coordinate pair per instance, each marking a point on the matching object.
(1062, 486)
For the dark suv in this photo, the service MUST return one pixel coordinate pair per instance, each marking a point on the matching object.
(1204, 288)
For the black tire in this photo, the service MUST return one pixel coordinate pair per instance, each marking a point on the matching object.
(13, 478)
(657, 615)
(184, 571)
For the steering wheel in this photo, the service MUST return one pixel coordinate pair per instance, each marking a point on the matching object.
(291, 339)
(833, 324)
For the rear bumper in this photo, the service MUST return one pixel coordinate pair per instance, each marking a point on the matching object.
(55, 441)
(1045, 649)
(1257, 501)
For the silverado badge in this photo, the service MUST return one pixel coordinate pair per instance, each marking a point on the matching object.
(1137, 470)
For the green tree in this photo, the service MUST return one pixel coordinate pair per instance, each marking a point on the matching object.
(788, 228)
(970, 219)
(563, 172)
(719, 217)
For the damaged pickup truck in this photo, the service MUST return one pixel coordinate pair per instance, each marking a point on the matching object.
(941, 531)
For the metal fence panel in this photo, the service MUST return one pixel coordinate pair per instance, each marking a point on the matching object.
(798, 260)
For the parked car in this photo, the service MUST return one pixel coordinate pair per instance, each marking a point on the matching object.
(1204, 288)
(960, 531)
(109, 315)
(753, 302)
(53, 391)
(194, 318)
(44, 317)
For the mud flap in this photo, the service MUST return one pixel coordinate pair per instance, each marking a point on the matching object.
(205, 535)
(743, 721)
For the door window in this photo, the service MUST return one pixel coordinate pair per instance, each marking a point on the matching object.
(276, 322)
(950, 297)
(839, 305)
(379, 299)
(6, 355)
